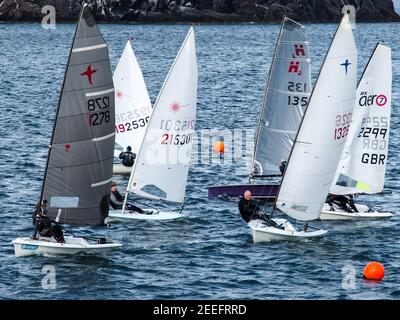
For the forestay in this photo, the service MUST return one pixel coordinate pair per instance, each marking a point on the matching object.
(285, 98)
(161, 169)
(132, 102)
(363, 164)
(323, 131)
(79, 168)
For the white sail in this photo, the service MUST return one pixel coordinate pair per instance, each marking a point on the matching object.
(363, 164)
(285, 99)
(132, 102)
(323, 131)
(161, 169)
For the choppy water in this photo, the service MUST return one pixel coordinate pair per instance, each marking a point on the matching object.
(209, 255)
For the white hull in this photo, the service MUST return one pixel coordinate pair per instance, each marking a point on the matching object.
(264, 233)
(119, 168)
(363, 214)
(48, 246)
(128, 216)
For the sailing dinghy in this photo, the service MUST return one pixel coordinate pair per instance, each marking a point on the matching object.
(78, 172)
(132, 107)
(160, 172)
(363, 165)
(285, 99)
(319, 143)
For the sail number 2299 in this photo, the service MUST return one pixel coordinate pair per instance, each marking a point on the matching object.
(342, 125)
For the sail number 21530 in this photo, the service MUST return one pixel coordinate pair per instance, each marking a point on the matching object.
(342, 125)
(98, 110)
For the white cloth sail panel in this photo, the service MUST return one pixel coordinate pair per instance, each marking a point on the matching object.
(285, 99)
(79, 168)
(323, 131)
(132, 102)
(363, 165)
(161, 169)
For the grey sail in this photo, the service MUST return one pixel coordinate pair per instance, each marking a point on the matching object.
(79, 167)
(285, 99)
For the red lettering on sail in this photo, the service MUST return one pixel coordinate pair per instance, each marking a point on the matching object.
(299, 50)
(294, 67)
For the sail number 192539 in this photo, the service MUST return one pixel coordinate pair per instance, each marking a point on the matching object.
(342, 125)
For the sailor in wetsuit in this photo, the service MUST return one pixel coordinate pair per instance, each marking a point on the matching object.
(44, 226)
(347, 204)
(128, 157)
(117, 200)
(250, 211)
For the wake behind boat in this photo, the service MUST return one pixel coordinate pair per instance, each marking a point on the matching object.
(78, 171)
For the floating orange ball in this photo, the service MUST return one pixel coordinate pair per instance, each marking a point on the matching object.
(218, 147)
(374, 271)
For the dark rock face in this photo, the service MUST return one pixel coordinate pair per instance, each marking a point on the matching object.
(200, 10)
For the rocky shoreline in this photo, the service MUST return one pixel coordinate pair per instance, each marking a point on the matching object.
(206, 11)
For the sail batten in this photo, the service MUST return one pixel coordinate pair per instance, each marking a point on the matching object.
(285, 98)
(161, 169)
(77, 180)
(323, 131)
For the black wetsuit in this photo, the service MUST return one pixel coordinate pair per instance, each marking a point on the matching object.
(249, 210)
(342, 201)
(117, 202)
(282, 167)
(46, 228)
(128, 158)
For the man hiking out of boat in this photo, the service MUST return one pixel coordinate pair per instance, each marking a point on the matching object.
(347, 204)
(44, 226)
(128, 157)
(117, 200)
(249, 210)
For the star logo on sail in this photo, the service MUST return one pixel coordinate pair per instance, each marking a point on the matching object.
(119, 94)
(89, 73)
(176, 106)
(346, 64)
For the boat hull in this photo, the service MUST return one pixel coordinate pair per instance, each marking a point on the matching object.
(119, 168)
(363, 214)
(266, 192)
(26, 246)
(150, 215)
(263, 233)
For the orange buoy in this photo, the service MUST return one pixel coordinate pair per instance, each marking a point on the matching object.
(218, 147)
(374, 271)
